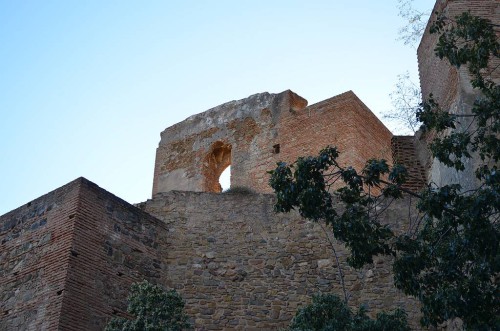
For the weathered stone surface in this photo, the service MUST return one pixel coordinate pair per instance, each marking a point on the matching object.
(68, 258)
(452, 89)
(324, 263)
(253, 134)
(264, 265)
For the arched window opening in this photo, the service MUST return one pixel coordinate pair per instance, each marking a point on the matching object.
(225, 179)
(216, 161)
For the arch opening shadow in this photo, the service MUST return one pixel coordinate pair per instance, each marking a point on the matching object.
(216, 161)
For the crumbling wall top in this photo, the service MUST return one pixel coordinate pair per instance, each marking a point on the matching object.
(253, 134)
(220, 115)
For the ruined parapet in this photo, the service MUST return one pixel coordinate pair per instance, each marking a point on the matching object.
(192, 154)
(253, 134)
(450, 86)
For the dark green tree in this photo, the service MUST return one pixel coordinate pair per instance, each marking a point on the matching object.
(328, 312)
(449, 258)
(153, 309)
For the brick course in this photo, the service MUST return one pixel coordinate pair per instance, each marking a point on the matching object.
(69, 257)
(35, 245)
(404, 153)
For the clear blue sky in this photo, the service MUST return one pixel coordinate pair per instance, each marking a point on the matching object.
(86, 87)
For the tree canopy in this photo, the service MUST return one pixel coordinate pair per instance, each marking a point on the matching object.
(153, 309)
(328, 312)
(449, 257)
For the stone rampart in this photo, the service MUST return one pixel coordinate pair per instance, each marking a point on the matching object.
(240, 266)
(68, 259)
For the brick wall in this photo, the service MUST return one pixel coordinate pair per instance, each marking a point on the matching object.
(343, 121)
(437, 76)
(404, 153)
(69, 257)
(114, 244)
(35, 245)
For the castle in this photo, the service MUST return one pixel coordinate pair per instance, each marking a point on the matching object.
(68, 258)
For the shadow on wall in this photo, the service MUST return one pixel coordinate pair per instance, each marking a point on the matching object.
(216, 161)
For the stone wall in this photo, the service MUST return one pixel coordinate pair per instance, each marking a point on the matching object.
(253, 134)
(192, 154)
(450, 87)
(240, 266)
(68, 258)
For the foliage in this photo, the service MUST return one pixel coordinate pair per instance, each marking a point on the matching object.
(412, 31)
(405, 99)
(153, 309)
(308, 188)
(470, 41)
(449, 256)
(329, 312)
